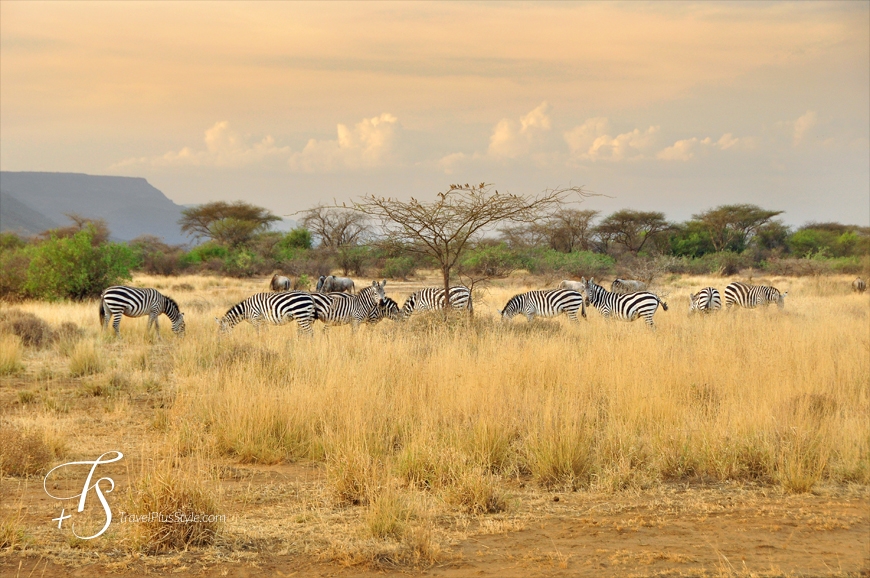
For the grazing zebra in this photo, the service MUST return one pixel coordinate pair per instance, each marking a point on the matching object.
(134, 302)
(275, 308)
(279, 283)
(705, 300)
(547, 303)
(331, 283)
(624, 286)
(432, 299)
(570, 285)
(385, 309)
(627, 306)
(859, 285)
(750, 296)
(340, 308)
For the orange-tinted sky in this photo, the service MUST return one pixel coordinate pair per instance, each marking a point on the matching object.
(674, 107)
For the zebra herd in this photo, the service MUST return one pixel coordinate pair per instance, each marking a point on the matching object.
(625, 301)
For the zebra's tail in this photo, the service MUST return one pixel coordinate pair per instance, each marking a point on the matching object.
(664, 305)
(102, 314)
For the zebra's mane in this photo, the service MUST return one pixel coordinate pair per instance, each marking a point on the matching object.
(171, 305)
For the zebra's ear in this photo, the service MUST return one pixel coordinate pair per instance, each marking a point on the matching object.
(218, 320)
(384, 284)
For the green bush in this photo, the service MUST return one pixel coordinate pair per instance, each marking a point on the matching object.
(574, 264)
(73, 268)
(13, 264)
(399, 267)
(205, 253)
(491, 261)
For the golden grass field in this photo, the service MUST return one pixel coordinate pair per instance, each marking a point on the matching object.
(730, 444)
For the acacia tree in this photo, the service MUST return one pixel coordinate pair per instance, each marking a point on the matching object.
(733, 225)
(336, 226)
(227, 223)
(445, 228)
(632, 229)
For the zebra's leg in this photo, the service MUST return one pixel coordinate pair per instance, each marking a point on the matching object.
(116, 323)
(153, 317)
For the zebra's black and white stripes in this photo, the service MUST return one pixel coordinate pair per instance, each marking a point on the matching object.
(706, 300)
(749, 296)
(274, 308)
(341, 308)
(547, 303)
(432, 299)
(135, 302)
(627, 307)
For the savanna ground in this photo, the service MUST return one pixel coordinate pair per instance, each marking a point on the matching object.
(730, 444)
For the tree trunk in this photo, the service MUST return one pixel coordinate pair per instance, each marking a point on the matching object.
(445, 271)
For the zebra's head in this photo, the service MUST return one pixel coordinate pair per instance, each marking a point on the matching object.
(693, 303)
(385, 309)
(223, 324)
(780, 301)
(379, 289)
(408, 306)
(511, 308)
(178, 326)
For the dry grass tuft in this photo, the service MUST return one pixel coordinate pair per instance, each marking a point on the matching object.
(10, 355)
(477, 492)
(179, 511)
(23, 452)
(388, 514)
(33, 331)
(86, 359)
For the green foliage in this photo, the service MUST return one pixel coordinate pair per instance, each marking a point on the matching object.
(399, 267)
(242, 263)
(352, 260)
(10, 241)
(298, 238)
(13, 264)
(73, 268)
(828, 241)
(205, 253)
(491, 260)
(227, 224)
(574, 264)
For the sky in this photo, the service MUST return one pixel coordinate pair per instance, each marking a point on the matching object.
(673, 107)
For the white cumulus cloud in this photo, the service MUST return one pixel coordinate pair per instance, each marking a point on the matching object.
(803, 125)
(223, 148)
(368, 144)
(511, 139)
(687, 149)
(591, 141)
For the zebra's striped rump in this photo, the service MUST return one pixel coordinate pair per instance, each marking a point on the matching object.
(626, 307)
(342, 308)
(705, 300)
(135, 302)
(547, 303)
(273, 308)
(751, 296)
(432, 299)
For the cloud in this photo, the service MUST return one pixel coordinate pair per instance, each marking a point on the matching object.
(223, 148)
(591, 141)
(803, 125)
(511, 139)
(687, 149)
(368, 144)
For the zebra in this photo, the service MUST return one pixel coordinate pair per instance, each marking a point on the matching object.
(385, 309)
(859, 285)
(275, 308)
(279, 283)
(432, 299)
(340, 308)
(750, 296)
(547, 303)
(331, 283)
(705, 300)
(627, 306)
(134, 302)
(624, 286)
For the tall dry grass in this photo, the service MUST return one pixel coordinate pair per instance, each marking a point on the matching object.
(765, 395)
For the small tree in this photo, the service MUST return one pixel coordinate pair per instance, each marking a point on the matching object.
(731, 226)
(444, 228)
(230, 224)
(632, 229)
(336, 227)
